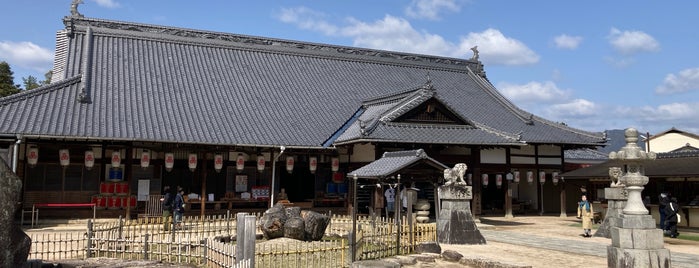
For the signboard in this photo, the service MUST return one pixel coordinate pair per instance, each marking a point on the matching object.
(143, 190)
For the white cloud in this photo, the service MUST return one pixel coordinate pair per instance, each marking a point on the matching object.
(574, 109)
(533, 92)
(565, 41)
(431, 9)
(631, 42)
(27, 55)
(393, 33)
(307, 19)
(397, 34)
(686, 80)
(107, 3)
(495, 48)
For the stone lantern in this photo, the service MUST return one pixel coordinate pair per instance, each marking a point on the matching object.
(636, 242)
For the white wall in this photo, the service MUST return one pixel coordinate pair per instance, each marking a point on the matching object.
(671, 141)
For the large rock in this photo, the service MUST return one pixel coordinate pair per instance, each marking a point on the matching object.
(14, 243)
(294, 228)
(272, 222)
(315, 224)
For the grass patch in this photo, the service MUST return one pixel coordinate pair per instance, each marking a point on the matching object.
(691, 237)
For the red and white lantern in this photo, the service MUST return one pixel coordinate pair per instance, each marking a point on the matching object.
(64, 157)
(542, 177)
(289, 164)
(169, 161)
(218, 162)
(89, 159)
(530, 177)
(313, 164)
(498, 180)
(32, 156)
(116, 159)
(145, 159)
(240, 163)
(192, 162)
(516, 177)
(335, 164)
(555, 178)
(260, 163)
(485, 180)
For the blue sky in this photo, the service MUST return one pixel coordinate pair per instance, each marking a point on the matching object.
(593, 65)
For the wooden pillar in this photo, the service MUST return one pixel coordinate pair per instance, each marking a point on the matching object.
(203, 196)
(127, 177)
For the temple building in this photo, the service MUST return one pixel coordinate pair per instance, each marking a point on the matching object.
(133, 107)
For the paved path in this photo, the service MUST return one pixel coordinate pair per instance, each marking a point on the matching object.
(573, 246)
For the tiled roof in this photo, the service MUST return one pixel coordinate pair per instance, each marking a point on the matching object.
(128, 81)
(393, 162)
(665, 165)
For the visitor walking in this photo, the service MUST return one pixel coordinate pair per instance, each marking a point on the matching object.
(390, 195)
(167, 201)
(673, 217)
(179, 208)
(663, 199)
(585, 212)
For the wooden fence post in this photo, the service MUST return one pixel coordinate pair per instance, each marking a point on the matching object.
(240, 236)
(88, 247)
(250, 230)
(145, 246)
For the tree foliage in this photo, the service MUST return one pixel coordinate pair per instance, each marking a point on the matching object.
(7, 80)
(30, 82)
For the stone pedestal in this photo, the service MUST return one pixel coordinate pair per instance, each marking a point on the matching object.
(616, 201)
(455, 224)
(637, 243)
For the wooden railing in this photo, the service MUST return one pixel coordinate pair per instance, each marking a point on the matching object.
(206, 241)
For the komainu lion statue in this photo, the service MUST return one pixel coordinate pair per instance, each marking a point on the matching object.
(455, 175)
(615, 175)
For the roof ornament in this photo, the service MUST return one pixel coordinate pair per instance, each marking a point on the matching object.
(362, 127)
(428, 84)
(475, 53)
(74, 8)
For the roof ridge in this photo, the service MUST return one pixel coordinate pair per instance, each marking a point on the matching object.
(40, 90)
(71, 21)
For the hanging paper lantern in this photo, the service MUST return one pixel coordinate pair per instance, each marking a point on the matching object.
(218, 162)
(169, 161)
(240, 163)
(555, 178)
(542, 177)
(145, 159)
(335, 164)
(516, 177)
(485, 180)
(89, 159)
(530, 177)
(498, 180)
(32, 156)
(469, 179)
(313, 164)
(260, 163)
(192, 162)
(116, 159)
(289, 164)
(64, 157)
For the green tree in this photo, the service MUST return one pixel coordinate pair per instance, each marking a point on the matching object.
(30, 83)
(47, 78)
(7, 80)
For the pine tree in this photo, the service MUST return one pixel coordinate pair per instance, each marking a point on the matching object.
(7, 80)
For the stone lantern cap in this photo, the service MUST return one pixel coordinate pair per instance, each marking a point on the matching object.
(631, 152)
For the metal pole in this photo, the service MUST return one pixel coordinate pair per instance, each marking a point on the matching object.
(398, 206)
(274, 168)
(354, 217)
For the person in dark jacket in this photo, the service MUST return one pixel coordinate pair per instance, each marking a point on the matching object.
(673, 217)
(167, 202)
(663, 199)
(179, 208)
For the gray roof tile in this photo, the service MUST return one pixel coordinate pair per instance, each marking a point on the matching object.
(393, 162)
(153, 83)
